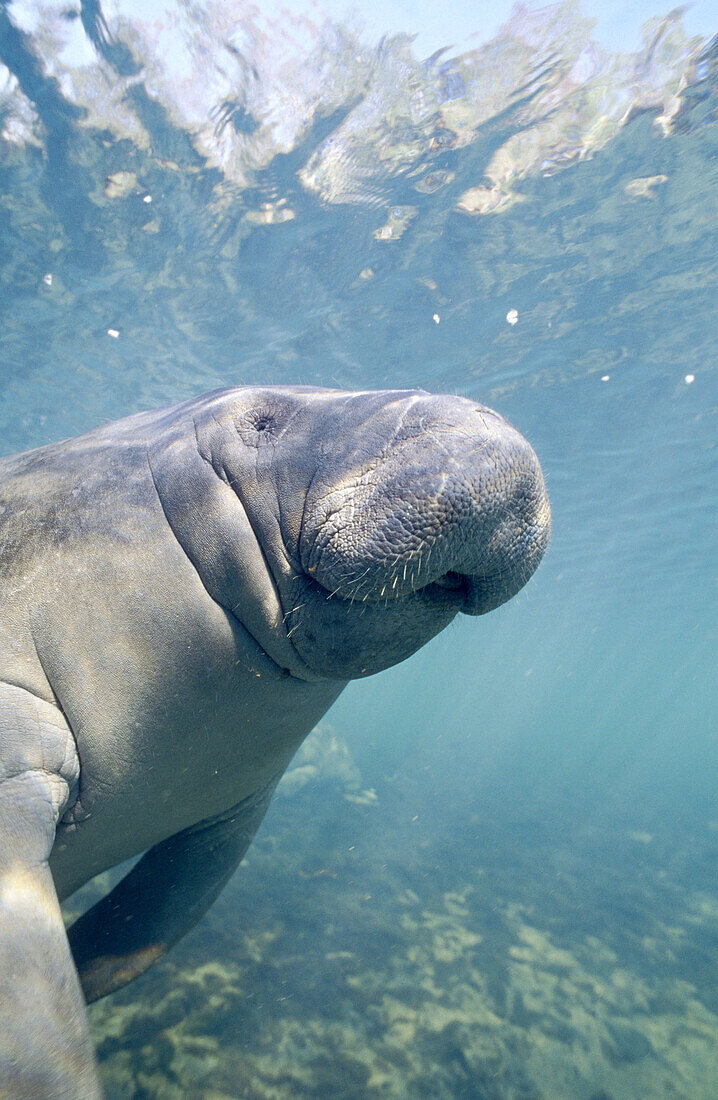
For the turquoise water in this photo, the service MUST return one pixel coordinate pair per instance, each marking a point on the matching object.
(491, 873)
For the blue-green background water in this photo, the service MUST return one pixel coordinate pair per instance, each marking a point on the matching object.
(492, 872)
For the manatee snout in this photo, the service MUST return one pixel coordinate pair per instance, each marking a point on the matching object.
(454, 509)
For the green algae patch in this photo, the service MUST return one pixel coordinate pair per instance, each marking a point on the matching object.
(358, 966)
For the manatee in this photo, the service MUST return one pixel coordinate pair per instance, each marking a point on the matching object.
(183, 594)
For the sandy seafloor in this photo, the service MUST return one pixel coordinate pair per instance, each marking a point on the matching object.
(580, 967)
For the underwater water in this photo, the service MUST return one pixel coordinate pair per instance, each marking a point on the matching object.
(491, 871)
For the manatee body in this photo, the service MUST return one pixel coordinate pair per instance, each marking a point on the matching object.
(183, 594)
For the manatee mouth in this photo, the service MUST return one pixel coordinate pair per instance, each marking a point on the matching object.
(453, 582)
(471, 595)
(456, 586)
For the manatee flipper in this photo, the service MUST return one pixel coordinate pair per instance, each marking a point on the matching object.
(45, 1047)
(162, 897)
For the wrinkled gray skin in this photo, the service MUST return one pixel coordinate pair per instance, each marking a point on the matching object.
(183, 594)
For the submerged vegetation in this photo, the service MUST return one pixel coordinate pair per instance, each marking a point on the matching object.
(382, 965)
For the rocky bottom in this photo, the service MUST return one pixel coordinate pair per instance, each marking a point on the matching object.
(362, 953)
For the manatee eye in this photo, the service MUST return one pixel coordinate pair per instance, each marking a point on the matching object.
(262, 422)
